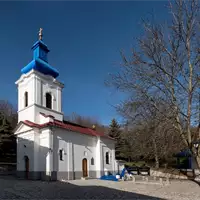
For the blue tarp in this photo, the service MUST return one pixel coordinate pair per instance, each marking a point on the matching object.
(112, 177)
(109, 178)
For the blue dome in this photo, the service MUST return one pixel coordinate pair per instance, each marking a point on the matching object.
(40, 62)
(40, 66)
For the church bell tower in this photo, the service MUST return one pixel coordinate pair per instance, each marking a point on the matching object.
(39, 91)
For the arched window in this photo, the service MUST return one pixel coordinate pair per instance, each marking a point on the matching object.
(92, 161)
(107, 158)
(61, 154)
(26, 99)
(48, 100)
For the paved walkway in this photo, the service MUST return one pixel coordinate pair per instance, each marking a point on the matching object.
(10, 188)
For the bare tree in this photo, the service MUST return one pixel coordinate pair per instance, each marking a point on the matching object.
(151, 136)
(8, 121)
(165, 66)
(8, 116)
(86, 121)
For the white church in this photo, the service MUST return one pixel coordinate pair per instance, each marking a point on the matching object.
(48, 147)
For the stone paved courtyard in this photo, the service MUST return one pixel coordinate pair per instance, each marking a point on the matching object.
(10, 188)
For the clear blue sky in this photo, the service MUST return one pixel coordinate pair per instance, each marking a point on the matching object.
(84, 39)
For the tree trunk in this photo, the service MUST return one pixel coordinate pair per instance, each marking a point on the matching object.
(157, 164)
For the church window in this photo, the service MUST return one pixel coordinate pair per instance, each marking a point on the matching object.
(61, 154)
(107, 158)
(48, 100)
(92, 161)
(26, 99)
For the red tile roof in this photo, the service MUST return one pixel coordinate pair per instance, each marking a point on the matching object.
(68, 126)
(47, 115)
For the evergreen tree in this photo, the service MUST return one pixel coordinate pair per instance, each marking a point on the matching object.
(114, 129)
(115, 132)
(6, 135)
(5, 127)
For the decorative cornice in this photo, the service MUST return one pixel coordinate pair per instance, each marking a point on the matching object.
(41, 77)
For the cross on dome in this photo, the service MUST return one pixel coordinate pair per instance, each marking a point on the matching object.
(40, 61)
(40, 34)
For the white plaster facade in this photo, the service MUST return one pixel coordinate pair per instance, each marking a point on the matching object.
(37, 85)
(43, 142)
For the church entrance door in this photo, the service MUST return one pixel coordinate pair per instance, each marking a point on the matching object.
(84, 167)
(26, 166)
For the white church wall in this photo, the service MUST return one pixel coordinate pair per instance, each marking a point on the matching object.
(98, 158)
(40, 109)
(84, 148)
(44, 119)
(63, 145)
(26, 85)
(107, 145)
(22, 129)
(76, 147)
(38, 90)
(44, 145)
(25, 147)
(47, 85)
(45, 165)
(26, 114)
(44, 141)
(59, 99)
(40, 85)
(37, 134)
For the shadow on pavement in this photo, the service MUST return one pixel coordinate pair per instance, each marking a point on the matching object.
(24, 189)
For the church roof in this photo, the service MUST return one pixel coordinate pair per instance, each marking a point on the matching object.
(40, 61)
(68, 126)
(41, 66)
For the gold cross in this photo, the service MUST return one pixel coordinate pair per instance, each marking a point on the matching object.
(40, 34)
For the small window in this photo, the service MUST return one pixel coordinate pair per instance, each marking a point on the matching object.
(107, 158)
(26, 99)
(61, 154)
(48, 100)
(92, 161)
